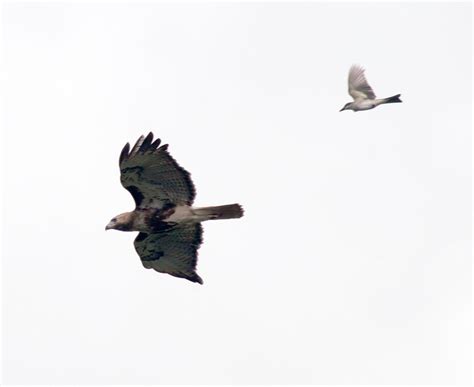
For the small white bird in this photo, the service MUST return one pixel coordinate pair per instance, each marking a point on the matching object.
(364, 96)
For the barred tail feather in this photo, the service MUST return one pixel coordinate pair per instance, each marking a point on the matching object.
(229, 211)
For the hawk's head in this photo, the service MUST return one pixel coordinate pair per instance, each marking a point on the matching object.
(122, 222)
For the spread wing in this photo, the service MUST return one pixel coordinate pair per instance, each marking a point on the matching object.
(172, 251)
(358, 85)
(152, 176)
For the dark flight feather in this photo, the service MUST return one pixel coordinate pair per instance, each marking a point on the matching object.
(124, 153)
(146, 143)
(173, 251)
(153, 176)
(136, 147)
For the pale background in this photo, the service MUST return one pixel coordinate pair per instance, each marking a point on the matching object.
(352, 263)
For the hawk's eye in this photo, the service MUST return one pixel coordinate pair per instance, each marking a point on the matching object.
(114, 220)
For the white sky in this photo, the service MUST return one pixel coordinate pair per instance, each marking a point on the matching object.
(353, 261)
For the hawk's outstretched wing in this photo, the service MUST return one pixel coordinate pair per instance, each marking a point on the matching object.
(172, 251)
(152, 176)
(358, 85)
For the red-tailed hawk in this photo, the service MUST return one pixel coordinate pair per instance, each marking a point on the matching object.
(170, 228)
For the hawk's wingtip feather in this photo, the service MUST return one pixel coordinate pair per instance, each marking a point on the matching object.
(124, 153)
(145, 145)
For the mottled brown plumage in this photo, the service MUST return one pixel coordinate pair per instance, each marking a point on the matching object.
(170, 229)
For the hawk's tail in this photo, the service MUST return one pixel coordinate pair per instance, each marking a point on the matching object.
(229, 211)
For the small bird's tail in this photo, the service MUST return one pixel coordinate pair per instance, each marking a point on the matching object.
(229, 211)
(393, 99)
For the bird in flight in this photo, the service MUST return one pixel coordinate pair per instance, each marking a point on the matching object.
(170, 230)
(362, 93)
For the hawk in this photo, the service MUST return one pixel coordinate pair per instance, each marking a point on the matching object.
(170, 230)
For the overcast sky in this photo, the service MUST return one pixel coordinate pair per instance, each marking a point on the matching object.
(353, 261)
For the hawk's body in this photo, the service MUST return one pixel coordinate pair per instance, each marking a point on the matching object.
(170, 229)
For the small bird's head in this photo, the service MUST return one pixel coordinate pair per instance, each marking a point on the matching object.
(346, 106)
(122, 222)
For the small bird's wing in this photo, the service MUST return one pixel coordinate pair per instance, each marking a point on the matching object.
(358, 85)
(172, 251)
(152, 176)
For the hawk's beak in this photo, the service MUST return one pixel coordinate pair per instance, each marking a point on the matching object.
(109, 226)
(342, 109)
